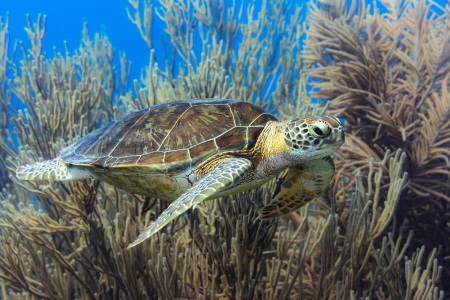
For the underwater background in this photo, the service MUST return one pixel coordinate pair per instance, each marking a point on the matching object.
(382, 229)
(65, 21)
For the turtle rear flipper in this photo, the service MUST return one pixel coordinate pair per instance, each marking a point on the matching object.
(212, 184)
(304, 182)
(54, 169)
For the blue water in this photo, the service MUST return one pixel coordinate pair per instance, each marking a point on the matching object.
(65, 22)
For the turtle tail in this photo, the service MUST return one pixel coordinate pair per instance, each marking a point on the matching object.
(54, 169)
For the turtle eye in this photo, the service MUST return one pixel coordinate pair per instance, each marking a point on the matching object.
(317, 130)
(320, 129)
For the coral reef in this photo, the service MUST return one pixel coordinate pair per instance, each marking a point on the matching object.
(380, 231)
(388, 76)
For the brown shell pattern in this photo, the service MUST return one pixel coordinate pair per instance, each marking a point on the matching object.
(171, 137)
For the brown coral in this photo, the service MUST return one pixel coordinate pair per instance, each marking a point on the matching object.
(68, 240)
(388, 76)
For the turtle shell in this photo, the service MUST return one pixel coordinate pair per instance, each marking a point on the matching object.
(172, 137)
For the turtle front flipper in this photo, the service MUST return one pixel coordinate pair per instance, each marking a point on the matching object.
(216, 182)
(304, 182)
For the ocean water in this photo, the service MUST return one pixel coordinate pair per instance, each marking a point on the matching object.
(65, 21)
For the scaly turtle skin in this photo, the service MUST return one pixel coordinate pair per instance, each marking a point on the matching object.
(196, 150)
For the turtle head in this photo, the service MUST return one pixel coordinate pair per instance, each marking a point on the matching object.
(314, 137)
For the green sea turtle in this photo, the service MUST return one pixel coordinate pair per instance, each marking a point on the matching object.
(195, 150)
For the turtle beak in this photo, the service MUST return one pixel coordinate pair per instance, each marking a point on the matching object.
(340, 136)
(338, 132)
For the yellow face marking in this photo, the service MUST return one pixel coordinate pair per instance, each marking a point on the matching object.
(271, 140)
